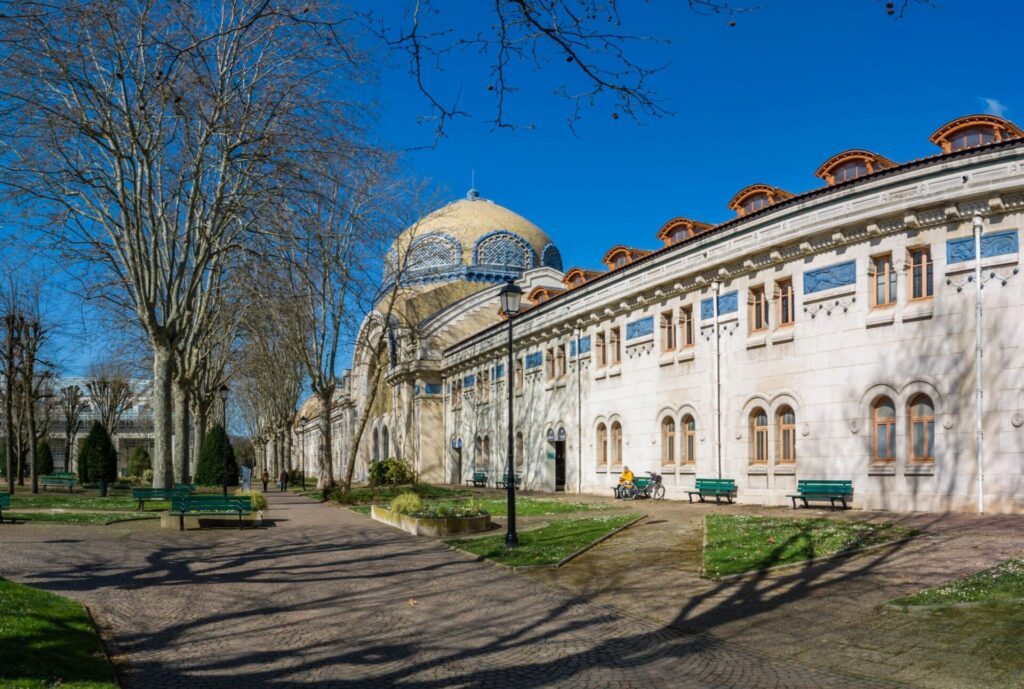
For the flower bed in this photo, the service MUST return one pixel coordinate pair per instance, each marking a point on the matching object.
(424, 523)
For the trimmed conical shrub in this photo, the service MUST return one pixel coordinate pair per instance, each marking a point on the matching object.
(97, 459)
(216, 453)
(44, 459)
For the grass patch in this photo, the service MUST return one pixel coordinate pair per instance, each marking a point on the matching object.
(1002, 584)
(84, 501)
(534, 507)
(547, 545)
(383, 494)
(48, 641)
(361, 509)
(76, 517)
(741, 543)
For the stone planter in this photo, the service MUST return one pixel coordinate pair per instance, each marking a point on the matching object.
(435, 527)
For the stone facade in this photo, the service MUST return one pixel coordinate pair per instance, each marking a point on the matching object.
(752, 398)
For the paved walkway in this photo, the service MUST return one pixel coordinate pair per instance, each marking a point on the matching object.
(328, 598)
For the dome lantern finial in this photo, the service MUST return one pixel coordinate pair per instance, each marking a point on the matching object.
(472, 194)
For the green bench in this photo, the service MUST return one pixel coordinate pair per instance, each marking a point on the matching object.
(479, 479)
(187, 487)
(183, 505)
(502, 481)
(5, 504)
(144, 494)
(59, 480)
(713, 487)
(823, 490)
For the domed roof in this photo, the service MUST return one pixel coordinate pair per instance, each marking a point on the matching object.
(473, 240)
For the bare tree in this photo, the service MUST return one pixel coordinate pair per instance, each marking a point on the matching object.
(157, 134)
(71, 403)
(110, 393)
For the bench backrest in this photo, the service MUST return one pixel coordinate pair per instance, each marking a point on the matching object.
(211, 503)
(63, 474)
(816, 486)
(641, 481)
(190, 487)
(59, 480)
(480, 475)
(154, 493)
(716, 484)
(5, 500)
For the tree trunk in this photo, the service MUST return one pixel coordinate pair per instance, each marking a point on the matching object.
(9, 408)
(199, 432)
(32, 449)
(162, 468)
(179, 452)
(326, 466)
(288, 448)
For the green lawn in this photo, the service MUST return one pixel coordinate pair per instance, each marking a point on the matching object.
(84, 501)
(361, 509)
(533, 507)
(547, 545)
(76, 517)
(999, 585)
(47, 641)
(383, 494)
(741, 543)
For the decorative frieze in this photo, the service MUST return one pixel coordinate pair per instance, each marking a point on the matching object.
(992, 244)
(830, 277)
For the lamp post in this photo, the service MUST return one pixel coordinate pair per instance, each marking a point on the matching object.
(510, 297)
(224, 421)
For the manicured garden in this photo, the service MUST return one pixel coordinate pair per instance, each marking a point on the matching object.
(120, 500)
(999, 585)
(743, 543)
(379, 495)
(547, 545)
(47, 641)
(62, 517)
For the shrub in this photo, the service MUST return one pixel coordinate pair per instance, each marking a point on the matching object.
(147, 476)
(139, 461)
(215, 455)
(407, 503)
(97, 459)
(44, 459)
(259, 501)
(391, 472)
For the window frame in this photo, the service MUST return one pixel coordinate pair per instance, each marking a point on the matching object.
(519, 374)
(783, 292)
(601, 345)
(927, 273)
(757, 309)
(928, 432)
(782, 429)
(758, 436)
(602, 445)
(616, 445)
(668, 442)
(689, 444)
(688, 336)
(560, 362)
(889, 281)
(890, 424)
(483, 382)
(668, 331)
(615, 342)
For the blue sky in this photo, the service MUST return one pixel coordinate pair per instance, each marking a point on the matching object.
(767, 100)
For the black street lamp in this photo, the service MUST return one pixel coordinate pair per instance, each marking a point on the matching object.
(510, 297)
(224, 421)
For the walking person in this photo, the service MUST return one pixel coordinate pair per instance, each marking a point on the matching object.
(266, 479)
(282, 481)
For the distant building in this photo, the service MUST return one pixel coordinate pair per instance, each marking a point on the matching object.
(134, 429)
(823, 335)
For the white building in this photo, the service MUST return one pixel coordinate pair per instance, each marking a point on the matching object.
(823, 335)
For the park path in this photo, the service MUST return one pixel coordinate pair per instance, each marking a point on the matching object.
(327, 598)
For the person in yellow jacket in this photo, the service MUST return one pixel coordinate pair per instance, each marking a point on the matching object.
(626, 476)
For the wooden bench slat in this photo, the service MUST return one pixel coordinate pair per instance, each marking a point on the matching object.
(713, 487)
(820, 490)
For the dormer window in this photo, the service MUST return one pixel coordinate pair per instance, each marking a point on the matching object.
(621, 256)
(680, 229)
(974, 130)
(850, 165)
(620, 260)
(757, 197)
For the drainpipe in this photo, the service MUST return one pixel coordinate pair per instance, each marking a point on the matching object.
(579, 413)
(978, 343)
(716, 288)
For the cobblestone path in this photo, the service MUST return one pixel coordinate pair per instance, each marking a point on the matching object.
(328, 598)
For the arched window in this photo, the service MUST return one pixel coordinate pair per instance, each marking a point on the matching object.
(437, 251)
(616, 444)
(758, 436)
(602, 446)
(520, 450)
(668, 441)
(884, 413)
(849, 170)
(689, 440)
(967, 137)
(922, 429)
(785, 433)
(487, 449)
(551, 258)
(376, 446)
(503, 250)
(384, 452)
(755, 202)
